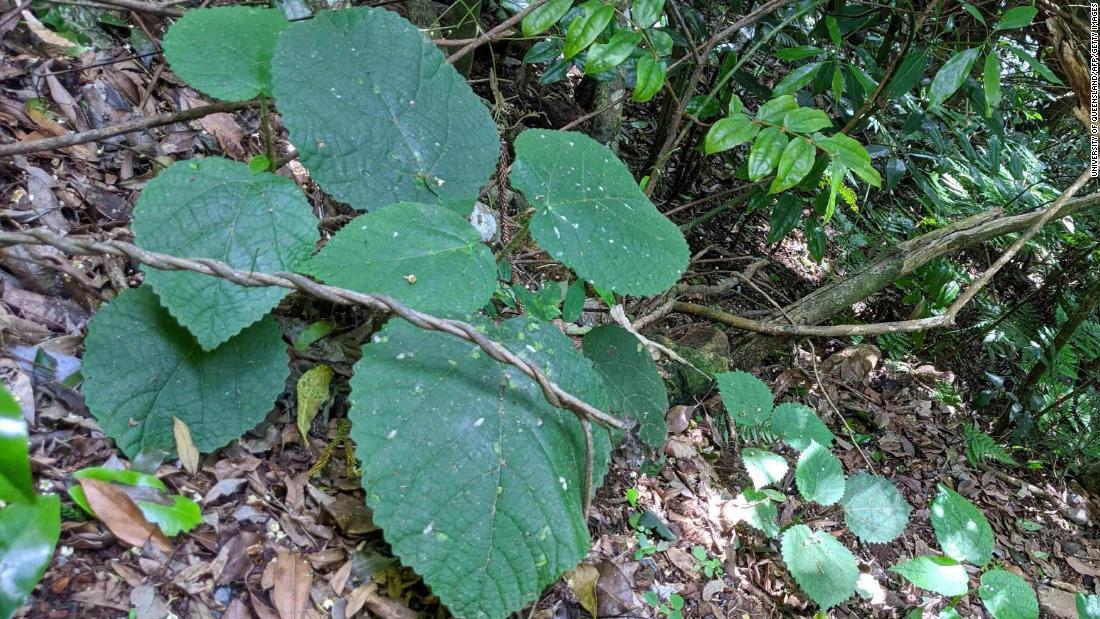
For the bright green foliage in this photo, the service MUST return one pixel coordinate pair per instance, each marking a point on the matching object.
(981, 447)
(991, 81)
(28, 535)
(852, 156)
(15, 469)
(796, 79)
(747, 399)
(220, 209)
(645, 13)
(179, 517)
(962, 530)
(1088, 606)
(942, 575)
(729, 132)
(874, 510)
(426, 256)
(1007, 596)
(758, 511)
(587, 26)
(806, 120)
(821, 566)
(225, 51)
(590, 214)
(606, 56)
(798, 425)
(764, 467)
(378, 115)
(172, 513)
(951, 76)
(651, 76)
(819, 475)
(142, 368)
(1018, 17)
(543, 18)
(631, 379)
(795, 162)
(467, 468)
(765, 152)
(774, 111)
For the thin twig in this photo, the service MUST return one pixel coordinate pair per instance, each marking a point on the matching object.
(141, 7)
(498, 31)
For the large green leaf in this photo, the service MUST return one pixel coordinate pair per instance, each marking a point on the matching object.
(180, 516)
(606, 56)
(748, 400)
(798, 425)
(225, 51)
(819, 475)
(1007, 596)
(1088, 606)
(15, 470)
(220, 209)
(951, 76)
(774, 111)
(765, 152)
(645, 13)
(729, 132)
(795, 162)
(650, 75)
(962, 530)
(874, 510)
(909, 72)
(764, 467)
(141, 368)
(806, 120)
(852, 155)
(590, 214)
(822, 566)
(587, 26)
(633, 383)
(543, 18)
(423, 255)
(1016, 17)
(378, 115)
(796, 79)
(28, 535)
(786, 214)
(474, 478)
(942, 575)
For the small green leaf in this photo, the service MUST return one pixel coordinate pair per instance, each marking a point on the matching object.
(853, 156)
(974, 12)
(1018, 17)
(543, 51)
(16, 485)
(225, 51)
(1088, 606)
(815, 238)
(951, 76)
(728, 133)
(312, 391)
(798, 425)
(650, 78)
(821, 565)
(765, 152)
(1036, 64)
(606, 56)
(764, 467)
(543, 18)
(786, 214)
(819, 475)
(423, 255)
(1007, 596)
(794, 164)
(806, 120)
(179, 517)
(874, 510)
(991, 82)
(312, 333)
(584, 30)
(28, 536)
(798, 53)
(837, 83)
(747, 399)
(757, 510)
(573, 305)
(259, 163)
(962, 530)
(796, 79)
(632, 382)
(938, 574)
(645, 13)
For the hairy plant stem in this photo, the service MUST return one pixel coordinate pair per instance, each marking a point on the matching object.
(266, 132)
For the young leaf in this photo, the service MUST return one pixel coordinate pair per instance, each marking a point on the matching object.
(632, 382)
(796, 79)
(179, 517)
(942, 575)
(1088, 606)
(423, 255)
(798, 425)
(217, 208)
(650, 78)
(765, 152)
(15, 469)
(586, 27)
(806, 120)
(786, 214)
(377, 113)
(28, 536)
(645, 13)
(507, 507)
(606, 56)
(819, 475)
(951, 76)
(794, 164)
(590, 214)
(874, 510)
(821, 565)
(141, 368)
(991, 82)
(747, 399)
(729, 132)
(1018, 17)
(962, 530)
(773, 112)
(764, 467)
(543, 18)
(225, 51)
(1007, 596)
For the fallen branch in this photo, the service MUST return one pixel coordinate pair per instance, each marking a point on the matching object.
(554, 394)
(102, 133)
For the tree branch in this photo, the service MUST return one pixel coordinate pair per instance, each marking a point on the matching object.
(554, 394)
(497, 31)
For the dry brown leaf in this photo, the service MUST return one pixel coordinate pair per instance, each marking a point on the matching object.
(583, 583)
(185, 447)
(682, 560)
(226, 131)
(614, 595)
(1081, 567)
(293, 578)
(124, 518)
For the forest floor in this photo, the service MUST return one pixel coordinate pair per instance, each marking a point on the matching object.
(260, 501)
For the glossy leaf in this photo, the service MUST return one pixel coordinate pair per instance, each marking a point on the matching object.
(806, 120)
(179, 517)
(853, 156)
(543, 18)
(821, 565)
(765, 152)
(795, 163)
(16, 485)
(630, 377)
(962, 530)
(650, 78)
(991, 82)
(645, 13)
(819, 475)
(909, 72)
(1035, 64)
(584, 30)
(796, 79)
(28, 536)
(1007, 596)
(798, 53)
(1017, 17)
(606, 56)
(786, 214)
(774, 111)
(729, 132)
(874, 510)
(951, 76)
(942, 575)
(747, 399)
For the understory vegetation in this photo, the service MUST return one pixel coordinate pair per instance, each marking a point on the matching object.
(655, 308)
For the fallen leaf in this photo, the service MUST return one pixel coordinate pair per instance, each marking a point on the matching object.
(226, 131)
(312, 393)
(614, 595)
(224, 488)
(682, 560)
(583, 583)
(1081, 567)
(185, 447)
(121, 515)
(292, 580)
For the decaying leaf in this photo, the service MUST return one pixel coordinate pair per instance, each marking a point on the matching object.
(185, 447)
(312, 393)
(121, 515)
(582, 581)
(293, 579)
